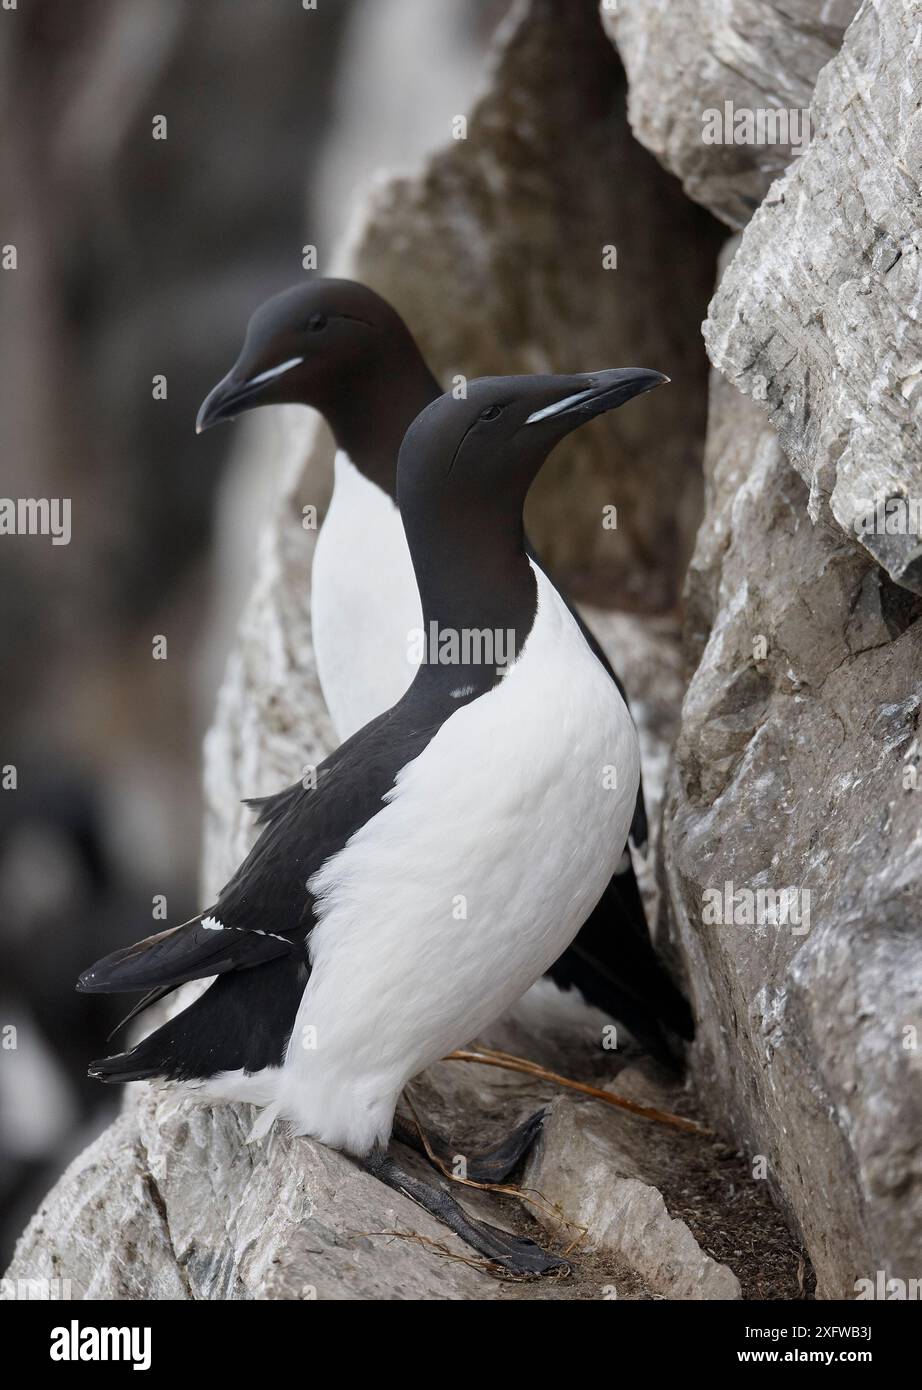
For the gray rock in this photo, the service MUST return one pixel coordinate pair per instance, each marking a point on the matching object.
(687, 57)
(818, 315)
(271, 723)
(587, 1167)
(796, 766)
(494, 255)
(102, 1229)
(172, 1203)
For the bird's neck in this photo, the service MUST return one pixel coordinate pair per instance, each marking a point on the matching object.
(478, 596)
(368, 424)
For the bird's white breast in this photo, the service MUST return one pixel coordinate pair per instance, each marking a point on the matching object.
(364, 602)
(493, 848)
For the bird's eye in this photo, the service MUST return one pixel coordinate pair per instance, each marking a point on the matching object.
(316, 322)
(491, 412)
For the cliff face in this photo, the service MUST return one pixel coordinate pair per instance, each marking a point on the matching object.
(796, 764)
(687, 60)
(787, 868)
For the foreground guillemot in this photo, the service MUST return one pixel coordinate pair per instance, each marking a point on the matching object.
(344, 965)
(339, 347)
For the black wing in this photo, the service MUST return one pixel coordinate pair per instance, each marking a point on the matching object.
(265, 911)
(256, 941)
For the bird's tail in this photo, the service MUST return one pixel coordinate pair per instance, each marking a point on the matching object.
(242, 1022)
(198, 948)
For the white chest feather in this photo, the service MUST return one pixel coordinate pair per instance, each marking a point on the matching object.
(494, 846)
(364, 602)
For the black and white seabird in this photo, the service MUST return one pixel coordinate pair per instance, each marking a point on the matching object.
(339, 347)
(343, 964)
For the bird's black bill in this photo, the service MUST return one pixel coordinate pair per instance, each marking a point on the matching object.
(233, 395)
(225, 402)
(597, 392)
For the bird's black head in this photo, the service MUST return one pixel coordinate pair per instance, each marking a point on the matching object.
(464, 470)
(480, 454)
(334, 345)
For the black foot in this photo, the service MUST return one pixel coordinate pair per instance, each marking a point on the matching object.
(517, 1255)
(492, 1166)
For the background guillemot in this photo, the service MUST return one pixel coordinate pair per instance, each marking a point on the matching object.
(340, 347)
(479, 787)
